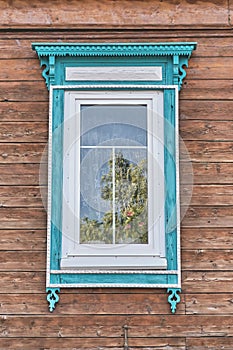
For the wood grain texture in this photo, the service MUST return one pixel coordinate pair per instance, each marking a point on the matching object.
(206, 282)
(206, 173)
(218, 43)
(204, 304)
(24, 132)
(124, 13)
(93, 326)
(23, 218)
(205, 110)
(89, 304)
(211, 217)
(207, 238)
(207, 130)
(207, 260)
(24, 112)
(23, 153)
(23, 240)
(209, 195)
(79, 342)
(209, 343)
(23, 174)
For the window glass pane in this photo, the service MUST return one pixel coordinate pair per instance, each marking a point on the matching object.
(113, 125)
(95, 211)
(131, 196)
(113, 179)
(113, 200)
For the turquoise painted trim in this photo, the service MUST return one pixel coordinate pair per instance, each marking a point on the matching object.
(52, 297)
(173, 298)
(116, 278)
(63, 63)
(57, 178)
(125, 54)
(170, 178)
(114, 49)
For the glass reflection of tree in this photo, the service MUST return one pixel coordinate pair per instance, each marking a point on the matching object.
(129, 195)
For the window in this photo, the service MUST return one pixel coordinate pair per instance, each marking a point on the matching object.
(113, 189)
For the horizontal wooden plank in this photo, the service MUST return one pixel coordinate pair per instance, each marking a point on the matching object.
(113, 343)
(209, 304)
(21, 282)
(206, 89)
(19, 69)
(205, 238)
(23, 218)
(24, 132)
(22, 261)
(210, 68)
(207, 260)
(111, 326)
(209, 343)
(24, 111)
(206, 130)
(214, 47)
(23, 174)
(218, 46)
(207, 151)
(211, 217)
(22, 196)
(35, 91)
(108, 14)
(207, 195)
(203, 110)
(207, 281)
(23, 153)
(23, 240)
(205, 173)
(90, 304)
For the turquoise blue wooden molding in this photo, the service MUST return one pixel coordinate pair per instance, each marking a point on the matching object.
(180, 52)
(55, 58)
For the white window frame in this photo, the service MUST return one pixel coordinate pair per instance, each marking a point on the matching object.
(151, 256)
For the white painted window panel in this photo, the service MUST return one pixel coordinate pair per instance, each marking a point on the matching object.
(114, 73)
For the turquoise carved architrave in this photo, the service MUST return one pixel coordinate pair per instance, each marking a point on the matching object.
(139, 67)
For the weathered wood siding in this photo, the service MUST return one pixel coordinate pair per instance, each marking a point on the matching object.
(93, 318)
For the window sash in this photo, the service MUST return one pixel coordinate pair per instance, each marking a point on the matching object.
(153, 254)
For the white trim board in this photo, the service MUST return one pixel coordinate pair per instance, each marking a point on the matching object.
(114, 73)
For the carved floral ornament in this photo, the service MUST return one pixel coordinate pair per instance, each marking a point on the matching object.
(58, 61)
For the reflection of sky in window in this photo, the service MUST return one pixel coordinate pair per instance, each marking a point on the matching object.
(113, 125)
(94, 164)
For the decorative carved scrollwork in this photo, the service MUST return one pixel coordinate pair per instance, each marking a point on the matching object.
(52, 297)
(173, 298)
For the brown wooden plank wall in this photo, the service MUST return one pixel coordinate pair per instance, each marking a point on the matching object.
(93, 318)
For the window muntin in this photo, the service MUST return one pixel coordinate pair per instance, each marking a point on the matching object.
(99, 129)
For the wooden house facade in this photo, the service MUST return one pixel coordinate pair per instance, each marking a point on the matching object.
(118, 318)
